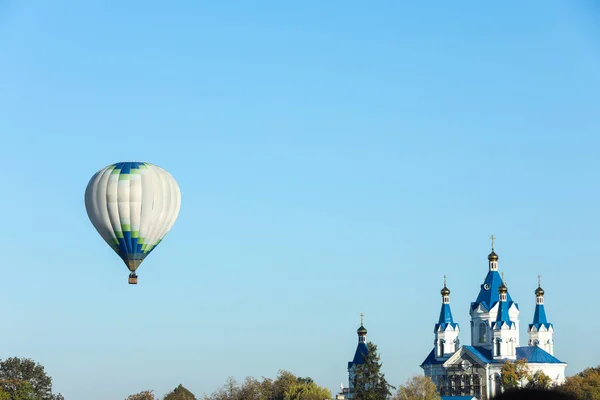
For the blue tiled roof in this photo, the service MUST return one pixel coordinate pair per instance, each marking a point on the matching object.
(489, 297)
(532, 354)
(481, 353)
(503, 318)
(445, 319)
(539, 326)
(539, 317)
(535, 354)
(445, 314)
(431, 359)
(358, 355)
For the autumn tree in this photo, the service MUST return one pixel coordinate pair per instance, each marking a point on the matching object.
(180, 393)
(539, 380)
(23, 378)
(418, 388)
(286, 386)
(584, 385)
(514, 374)
(145, 395)
(254, 389)
(369, 382)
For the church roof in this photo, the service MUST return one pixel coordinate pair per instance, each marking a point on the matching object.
(539, 318)
(488, 295)
(503, 318)
(533, 355)
(430, 359)
(358, 355)
(445, 319)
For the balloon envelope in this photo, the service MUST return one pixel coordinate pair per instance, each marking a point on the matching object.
(132, 205)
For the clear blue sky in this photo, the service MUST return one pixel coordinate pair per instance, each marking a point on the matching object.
(334, 158)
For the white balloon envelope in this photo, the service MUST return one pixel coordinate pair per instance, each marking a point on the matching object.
(132, 205)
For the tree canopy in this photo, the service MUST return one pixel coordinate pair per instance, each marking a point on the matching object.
(514, 374)
(145, 395)
(23, 378)
(180, 393)
(584, 385)
(418, 388)
(286, 386)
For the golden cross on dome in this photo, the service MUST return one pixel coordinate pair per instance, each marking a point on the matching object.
(539, 281)
(444, 280)
(493, 238)
(361, 319)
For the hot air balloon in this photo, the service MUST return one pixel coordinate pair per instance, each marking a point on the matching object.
(132, 205)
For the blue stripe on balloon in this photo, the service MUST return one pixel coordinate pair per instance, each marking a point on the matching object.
(127, 237)
(126, 168)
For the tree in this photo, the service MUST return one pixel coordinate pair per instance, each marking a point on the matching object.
(285, 387)
(180, 393)
(369, 381)
(418, 388)
(145, 395)
(539, 380)
(24, 378)
(283, 383)
(514, 373)
(306, 390)
(584, 385)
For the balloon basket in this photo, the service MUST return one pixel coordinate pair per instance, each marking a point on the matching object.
(133, 279)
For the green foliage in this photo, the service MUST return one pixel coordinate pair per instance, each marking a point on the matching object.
(285, 387)
(145, 395)
(180, 393)
(514, 374)
(539, 380)
(584, 385)
(17, 389)
(23, 378)
(369, 381)
(418, 388)
(306, 390)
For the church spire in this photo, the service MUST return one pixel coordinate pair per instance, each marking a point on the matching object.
(503, 306)
(446, 330)
(359, 356)
(504, 332)
(541, 331)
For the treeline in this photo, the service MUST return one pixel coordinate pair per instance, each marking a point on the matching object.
(24, 379)
(286, 386)
(584, 385)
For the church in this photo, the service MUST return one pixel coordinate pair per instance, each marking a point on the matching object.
(475, 370)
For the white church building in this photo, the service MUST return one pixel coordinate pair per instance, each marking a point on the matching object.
(475, 370)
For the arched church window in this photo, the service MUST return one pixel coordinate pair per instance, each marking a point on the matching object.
(482, 332)
(497, 384)
(441, 348)
(497, 347)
